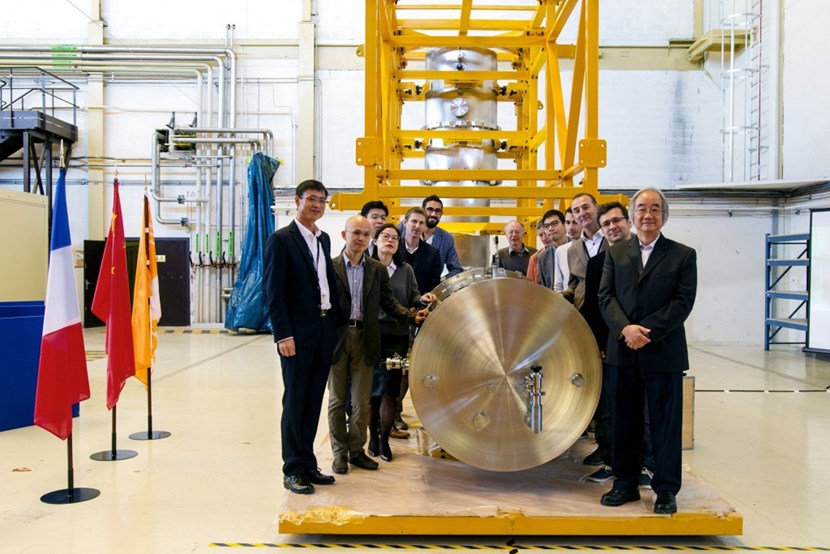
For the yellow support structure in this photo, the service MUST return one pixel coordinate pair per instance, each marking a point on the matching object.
(552, 161)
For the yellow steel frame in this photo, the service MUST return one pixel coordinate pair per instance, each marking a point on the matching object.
(526, 39)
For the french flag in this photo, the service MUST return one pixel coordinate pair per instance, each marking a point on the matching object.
(62, 378)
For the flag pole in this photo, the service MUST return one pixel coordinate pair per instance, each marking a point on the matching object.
(150, 435)
(70, 495)
(114, 454)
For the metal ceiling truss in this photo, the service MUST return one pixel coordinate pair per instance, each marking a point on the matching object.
(549, 155)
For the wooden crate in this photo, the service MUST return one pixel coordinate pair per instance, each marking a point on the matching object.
(688, 412)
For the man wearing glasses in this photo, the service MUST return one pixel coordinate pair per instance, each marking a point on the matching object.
(363, 291)
(516, 255)
(439, 238)
(301, 291)
(553, 223)
(647, 291)
(616, 228)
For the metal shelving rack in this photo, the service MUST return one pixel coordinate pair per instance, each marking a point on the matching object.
(776, 270)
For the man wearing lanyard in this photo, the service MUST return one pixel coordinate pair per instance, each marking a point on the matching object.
(302, 304)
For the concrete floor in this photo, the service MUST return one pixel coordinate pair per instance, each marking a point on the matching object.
(759, 444)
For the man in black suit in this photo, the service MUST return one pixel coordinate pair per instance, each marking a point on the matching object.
(302, 304)
(647, 291)
(616, 228)
(363, 291)
(424, 259)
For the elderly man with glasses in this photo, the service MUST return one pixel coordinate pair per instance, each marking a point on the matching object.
(647, 291)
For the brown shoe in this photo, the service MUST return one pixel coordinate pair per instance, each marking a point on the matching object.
(396, 433)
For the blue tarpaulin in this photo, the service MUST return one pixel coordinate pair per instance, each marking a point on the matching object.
(247, 307)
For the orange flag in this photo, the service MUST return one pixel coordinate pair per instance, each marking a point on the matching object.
(112, 305)
(146, 300)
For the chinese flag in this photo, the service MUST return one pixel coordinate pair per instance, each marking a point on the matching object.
(112, 305)
(146, 301)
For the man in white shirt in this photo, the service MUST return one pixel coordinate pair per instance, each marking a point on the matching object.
(590, 243)
(560, 268)
(553, 224)
(302, 303)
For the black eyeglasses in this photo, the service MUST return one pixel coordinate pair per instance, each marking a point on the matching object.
(388, 238)
(434, 210)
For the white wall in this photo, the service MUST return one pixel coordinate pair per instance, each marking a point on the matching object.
(806, 82)
(662, 127)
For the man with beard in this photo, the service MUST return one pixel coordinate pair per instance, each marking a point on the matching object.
(439, 238)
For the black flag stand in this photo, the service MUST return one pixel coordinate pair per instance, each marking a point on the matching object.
(71, 494)
(113, 455)
(149, 435)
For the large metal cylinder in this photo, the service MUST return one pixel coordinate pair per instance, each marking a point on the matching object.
(471, 376)
(468, 105)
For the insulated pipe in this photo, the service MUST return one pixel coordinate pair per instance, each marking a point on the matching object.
(267, 133)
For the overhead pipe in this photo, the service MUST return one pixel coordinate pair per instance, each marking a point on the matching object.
(267, 133)
(173, 54)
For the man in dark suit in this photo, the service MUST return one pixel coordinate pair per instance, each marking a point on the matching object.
(302, 304)
(363, 290)
(647, 291)
(424, 259)
(616, 228)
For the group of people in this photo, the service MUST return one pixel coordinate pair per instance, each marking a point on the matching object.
(335, 319)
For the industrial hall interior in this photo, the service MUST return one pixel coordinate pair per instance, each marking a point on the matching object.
(462, 275)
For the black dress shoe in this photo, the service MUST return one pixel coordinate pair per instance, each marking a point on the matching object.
(363, 461)
(340, 464)
(316, 478)
(618, 497)
(666, 504)
(297, 484)
(594, 458)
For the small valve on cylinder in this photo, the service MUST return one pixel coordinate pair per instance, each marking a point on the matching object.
(533, 386)
(398, 362)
